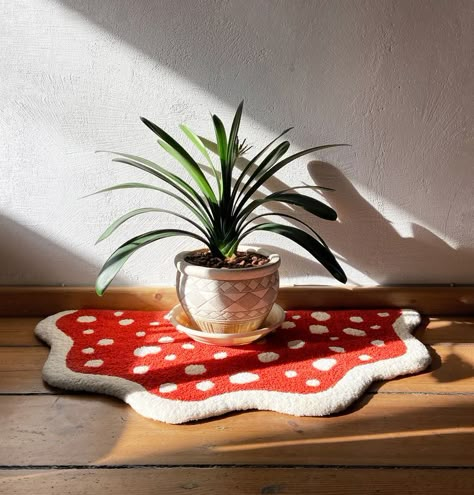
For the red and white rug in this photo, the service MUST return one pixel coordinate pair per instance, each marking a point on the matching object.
(316, 364)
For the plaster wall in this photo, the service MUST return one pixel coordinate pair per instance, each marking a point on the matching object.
(392, 78)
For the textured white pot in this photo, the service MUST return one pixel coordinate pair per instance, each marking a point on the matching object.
(223, 300)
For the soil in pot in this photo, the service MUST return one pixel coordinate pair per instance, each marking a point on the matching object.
(240, 259)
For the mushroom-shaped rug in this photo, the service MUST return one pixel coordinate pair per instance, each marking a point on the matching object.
(316, 364)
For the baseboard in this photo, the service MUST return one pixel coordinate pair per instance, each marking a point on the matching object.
(428, 300)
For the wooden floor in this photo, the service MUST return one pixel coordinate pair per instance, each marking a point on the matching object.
(413, 435)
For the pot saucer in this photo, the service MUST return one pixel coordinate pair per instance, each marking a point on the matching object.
(180, 320)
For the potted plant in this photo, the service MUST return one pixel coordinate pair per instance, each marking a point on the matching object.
(223, 287)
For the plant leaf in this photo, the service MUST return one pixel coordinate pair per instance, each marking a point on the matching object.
(139, 185)
(120, 256)
(309, 204)
(284, 215)
(196, 140)
(186, 190)
(178, 152)
(231, 145)
(255, 158)
(117, 223)
(268, 162)
(312, 245)
(200, 178)
(271, 171)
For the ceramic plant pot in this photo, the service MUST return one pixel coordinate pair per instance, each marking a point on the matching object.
(223, 300)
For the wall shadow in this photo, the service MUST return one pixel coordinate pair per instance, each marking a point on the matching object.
(361, 225)
(31, 259)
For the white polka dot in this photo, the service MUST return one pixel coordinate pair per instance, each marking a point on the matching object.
(355, 332)
(127, 321)
(188, 346)
(166, 388)
(337, 349)
(205, 386)
(105, 342)
(145, 350)
(383, 314)
(268, 357)
(89, 331)
(312, 383)
(166, 340)
(333, 338)
(86, 319)
(288, 324)
(378, 343)
(140, 370)
(290, 374)
(195, 369)
(365, 357)
(220, 355)
(324, 364)
(170, 357)
(245, 377)
(320, 316)
(155, 323)
(118, 313)
(318, 329)
(296, 317)
(140, 334)
(375, 327)
(94, 363)
(88, 350)
(356, 319)
(296, 344)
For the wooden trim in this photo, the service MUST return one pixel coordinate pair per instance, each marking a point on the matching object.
(428, 300)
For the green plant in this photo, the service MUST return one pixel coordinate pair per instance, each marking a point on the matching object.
(222, 216)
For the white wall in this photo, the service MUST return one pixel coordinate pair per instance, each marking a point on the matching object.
(393, 78)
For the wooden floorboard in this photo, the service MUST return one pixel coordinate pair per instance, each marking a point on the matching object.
(382, 429)
(237, 481)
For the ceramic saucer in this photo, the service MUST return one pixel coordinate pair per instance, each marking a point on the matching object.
(180, 320)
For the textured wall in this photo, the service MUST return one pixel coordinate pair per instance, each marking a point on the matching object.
(393, 78)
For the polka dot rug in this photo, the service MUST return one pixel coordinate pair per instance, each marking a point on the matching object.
(316, 364)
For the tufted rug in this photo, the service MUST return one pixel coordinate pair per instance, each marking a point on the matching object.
(316, 364)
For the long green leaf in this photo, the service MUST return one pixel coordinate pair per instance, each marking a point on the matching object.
(187, 191)
(120, 256)
(139, 185)
(278, 166)
(312, 245)
(309, 204)
(154, 166)
(200, 178)
(117, 223)
(268, 162)
(253, 161)
(232, 143)
(284, 215)
(178, 152)
(196, 140)
(221, 140)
